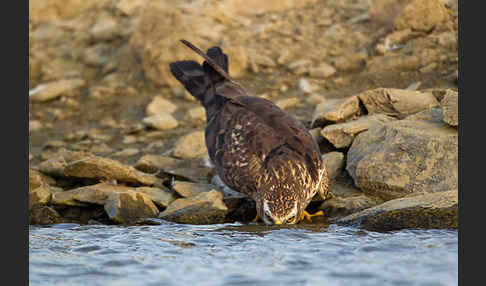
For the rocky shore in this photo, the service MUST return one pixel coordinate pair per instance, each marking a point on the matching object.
(114, 139)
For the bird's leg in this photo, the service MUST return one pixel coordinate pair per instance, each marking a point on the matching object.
(308, 216)
(256, 218)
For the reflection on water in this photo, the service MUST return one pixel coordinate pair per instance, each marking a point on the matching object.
(236, 254)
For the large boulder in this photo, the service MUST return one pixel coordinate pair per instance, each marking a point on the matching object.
(404, 157)
(437, 210)
(205, 208)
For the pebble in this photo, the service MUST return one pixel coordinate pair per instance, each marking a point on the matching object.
(127, 152)
(160, 105)
(163, 121)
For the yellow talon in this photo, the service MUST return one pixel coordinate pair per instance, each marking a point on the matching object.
(256, 218)
(307, 216)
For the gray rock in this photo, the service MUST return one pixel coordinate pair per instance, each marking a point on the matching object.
(173, 167)
(334, 162)
(342, 134)
(205, 208)
(128, 207)
(342, 206)
(404, 157)
(437, 210)
(432, 114)
(72, 164)
(397, 102)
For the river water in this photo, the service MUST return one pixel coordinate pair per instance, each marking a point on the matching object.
(238, 254)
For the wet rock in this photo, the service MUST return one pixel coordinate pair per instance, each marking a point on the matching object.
(43, 11)
(52, 90)
(449, 106)
(342, 134)
(342, 206)
(161, 121)
(322, 71)
(44, 215)
(178, 168)
(437, 210)
(127, 207)
(397, 102)
(72, 164)
(190, 145)
(421, 15)
(404, 157)
(335, 110)
(205, 208)
(334, 162)
(160, 105)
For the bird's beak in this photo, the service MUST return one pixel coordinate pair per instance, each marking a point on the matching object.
(277, 222)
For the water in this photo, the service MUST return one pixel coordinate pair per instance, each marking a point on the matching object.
(236, 254)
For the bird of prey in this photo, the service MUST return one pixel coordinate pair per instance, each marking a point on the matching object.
(257, 148)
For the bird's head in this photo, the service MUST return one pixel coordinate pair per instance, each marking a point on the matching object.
(280, 208)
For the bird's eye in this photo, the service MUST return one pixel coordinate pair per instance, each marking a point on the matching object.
(291, 219)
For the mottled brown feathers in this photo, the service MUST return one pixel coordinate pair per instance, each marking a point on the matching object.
(257, 148)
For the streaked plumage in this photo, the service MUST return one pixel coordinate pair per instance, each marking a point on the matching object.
(257, 148)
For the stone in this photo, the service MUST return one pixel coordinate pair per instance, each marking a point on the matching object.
(52, 90)
(352, 62)
(190, 189)
(105, 28)
(322, 71)
(421, 15)
(160, 105)
(404, 157)
(334, 162)
(39, 196)
(196, 115)
(161, 196)
(342, 206)
(287, 102)
(127, 152)
(44, 215)
(430, 211)
(385, 11)
(432, 114)
(305, 86)
(342, 134)
(34, 125)
(49, 10)
(74, 164)
(449, 106)
(205, 208)
(161, 121)
(178, 168)
(190, 145)
(335, 110)
(127, 208)
(38, 179)
(397, 102)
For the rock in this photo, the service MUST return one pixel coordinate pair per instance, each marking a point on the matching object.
(404, 157)
(189, 189)
(39, 196)
(205, 208)
(449, 106)
(385, 11)
(43, 215)
(160, 105)
(397, 102)
(305, 86)
(127, 152)
(37, 179)
(430, 211)
(127, 208)
(105, 28)
(334, 162)
(161, 196)
(49, 10)
(314, 99)
(322, 71)
(432, 114)
(252, 7)
(287, 102)
(334, 110)
(72, 164)
(197, 115)
(190, 145)
(35, 125)
(342, 134)
(351, 62)
(183, 169)
(52, 90)
(161, 121)
(421, 15)
(342, 206)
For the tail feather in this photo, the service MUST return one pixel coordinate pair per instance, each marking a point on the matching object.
(192, 76)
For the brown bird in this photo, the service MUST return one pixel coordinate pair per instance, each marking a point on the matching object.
(257, 148)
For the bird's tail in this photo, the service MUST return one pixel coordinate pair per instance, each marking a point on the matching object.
(198, 79)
